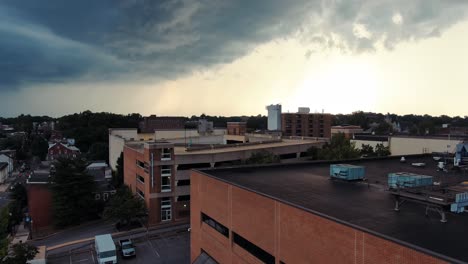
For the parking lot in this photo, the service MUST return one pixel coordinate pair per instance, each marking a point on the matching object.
(165, 249)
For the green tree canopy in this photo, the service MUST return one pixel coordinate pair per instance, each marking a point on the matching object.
(382, 151)
(98, 151)
(263, 157)
(118, 177)
(39, 147)
(339, 148)
(367, 150)
(22, 252)
(125, 206)
(73, 193)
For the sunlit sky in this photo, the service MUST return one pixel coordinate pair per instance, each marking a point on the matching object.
(233, 57)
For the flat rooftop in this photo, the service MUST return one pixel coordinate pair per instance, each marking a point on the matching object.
(178, 150)
(367, 207)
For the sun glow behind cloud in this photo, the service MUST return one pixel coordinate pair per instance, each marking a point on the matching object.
(337, 82)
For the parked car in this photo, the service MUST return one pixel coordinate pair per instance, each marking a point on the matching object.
(127, 249)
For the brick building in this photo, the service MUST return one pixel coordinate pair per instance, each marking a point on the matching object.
(295, 214)
(306, 124)
(57, 150)
(40, 201)
(152, 123)
(347, 130)
(159, 172)
(236, 128)
(149, 172)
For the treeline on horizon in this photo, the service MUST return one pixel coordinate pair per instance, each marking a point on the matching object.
(90, 130)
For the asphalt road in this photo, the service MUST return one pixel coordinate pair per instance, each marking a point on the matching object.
(76, 233)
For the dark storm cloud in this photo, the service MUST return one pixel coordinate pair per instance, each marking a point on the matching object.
(59, 41)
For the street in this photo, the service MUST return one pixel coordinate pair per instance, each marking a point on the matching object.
(86, 230)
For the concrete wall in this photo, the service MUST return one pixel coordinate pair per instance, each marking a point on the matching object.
(290, 234)
(373, 144)
(241, 154)
(117, 138)
(181, 134)
(413, 145)
(410, 145)
(212, 139)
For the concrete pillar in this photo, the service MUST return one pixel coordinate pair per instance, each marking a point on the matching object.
(212, 164)
(298, 155)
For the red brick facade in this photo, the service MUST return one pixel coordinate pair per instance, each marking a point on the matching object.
(150, 188)
(289, 234)
(306, 125)
(236, 128)
(61, 150)
(40, 206)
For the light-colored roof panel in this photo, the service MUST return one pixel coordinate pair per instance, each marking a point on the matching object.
(105, 242)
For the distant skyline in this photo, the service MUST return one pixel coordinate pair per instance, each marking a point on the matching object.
(233, 57)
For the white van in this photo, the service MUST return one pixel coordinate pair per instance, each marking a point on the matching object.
(105, 249)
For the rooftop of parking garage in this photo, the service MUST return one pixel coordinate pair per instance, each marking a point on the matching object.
(368, 207)
(215, 149)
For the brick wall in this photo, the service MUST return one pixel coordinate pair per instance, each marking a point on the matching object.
(40, 206)
(288, 233)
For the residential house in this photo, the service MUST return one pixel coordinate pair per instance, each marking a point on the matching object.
(8, 156)
(102, 175)
(60, 150)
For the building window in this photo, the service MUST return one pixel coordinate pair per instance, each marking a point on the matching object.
(140, 178)
(253, 249)
(140, 164)
(183, 198)
(215, 225)
(166, 209)
(166, 154)
(166, 170)
(183, 182)
(97, 196)
(140, 193)
(165, 183)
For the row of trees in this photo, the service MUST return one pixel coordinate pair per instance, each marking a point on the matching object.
(341, 148)
(10, 216)
(74, 200)
(413, 124)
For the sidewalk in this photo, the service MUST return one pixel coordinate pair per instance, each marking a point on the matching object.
(21, 235)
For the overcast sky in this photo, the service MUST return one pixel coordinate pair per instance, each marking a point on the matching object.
(226, 57)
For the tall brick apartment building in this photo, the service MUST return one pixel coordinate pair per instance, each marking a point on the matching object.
(149, 172)
(305, 124)
(295, 214)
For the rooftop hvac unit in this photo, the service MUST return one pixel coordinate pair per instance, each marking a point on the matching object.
(407, 179)
(347, 172)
